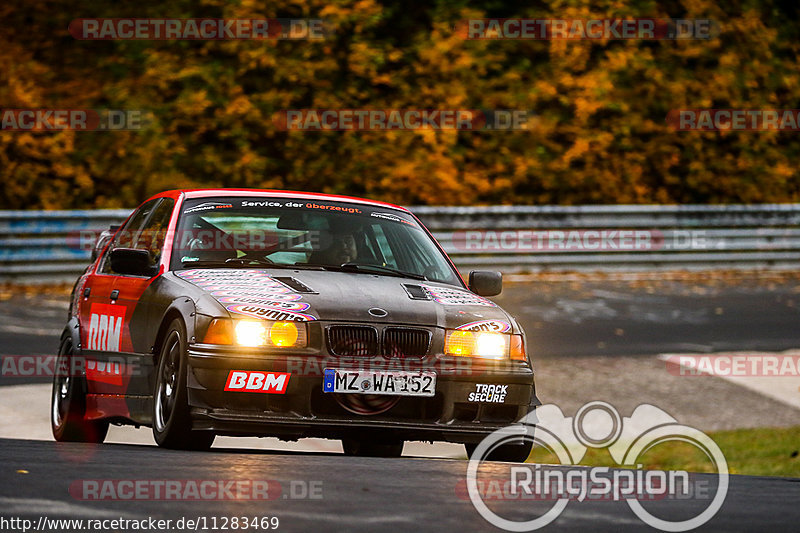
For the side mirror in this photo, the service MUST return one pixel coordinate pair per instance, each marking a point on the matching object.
(132, 262)
(486, 282)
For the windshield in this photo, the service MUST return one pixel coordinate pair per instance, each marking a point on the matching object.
(283, 232)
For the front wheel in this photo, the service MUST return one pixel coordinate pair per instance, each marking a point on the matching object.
(172, 424)
(68, 402)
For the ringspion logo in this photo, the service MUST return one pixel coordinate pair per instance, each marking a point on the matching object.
(596, 425)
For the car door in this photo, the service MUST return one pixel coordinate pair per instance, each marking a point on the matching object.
(102, 318)
(139, 303)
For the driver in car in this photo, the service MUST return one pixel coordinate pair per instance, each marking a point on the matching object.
(342, 249)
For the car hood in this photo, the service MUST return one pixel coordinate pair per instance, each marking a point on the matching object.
(306, 295)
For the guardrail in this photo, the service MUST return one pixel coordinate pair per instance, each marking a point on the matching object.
(687, 237)
(45, 247)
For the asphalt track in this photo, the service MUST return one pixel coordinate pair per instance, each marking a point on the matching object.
(351, 494)
(411, 493)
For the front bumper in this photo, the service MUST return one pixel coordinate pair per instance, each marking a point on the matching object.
(304, 410)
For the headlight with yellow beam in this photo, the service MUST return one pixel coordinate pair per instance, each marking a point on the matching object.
(256, 333)
(483, 344)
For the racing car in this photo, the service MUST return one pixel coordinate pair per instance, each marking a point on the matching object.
(286, 314)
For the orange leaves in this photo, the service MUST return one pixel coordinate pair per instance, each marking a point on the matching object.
(598, 107)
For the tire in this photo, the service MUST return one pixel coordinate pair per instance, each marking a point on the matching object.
(365, 448)
(172, 424)
(510, 453)
(68, 402)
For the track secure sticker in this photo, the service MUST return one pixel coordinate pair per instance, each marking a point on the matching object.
(488, 393)
(495, 326)
(254, 381)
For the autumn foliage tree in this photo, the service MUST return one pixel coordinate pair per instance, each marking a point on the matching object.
(598, 130)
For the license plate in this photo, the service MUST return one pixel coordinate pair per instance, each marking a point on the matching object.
(395, 383)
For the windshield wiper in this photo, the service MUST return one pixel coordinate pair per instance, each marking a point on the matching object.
(346, 267)
(379, 269)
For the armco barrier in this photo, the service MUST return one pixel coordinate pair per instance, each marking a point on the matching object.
(687, 237)
(42, 246)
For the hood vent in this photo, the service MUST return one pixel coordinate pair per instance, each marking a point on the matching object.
(416, 292)
(295, 285)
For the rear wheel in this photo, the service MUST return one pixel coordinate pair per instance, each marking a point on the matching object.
(510, 453)
(367, 448)
(68, 402)
(172, 424)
